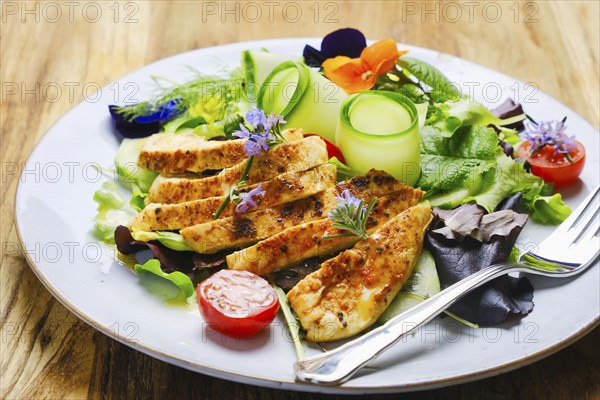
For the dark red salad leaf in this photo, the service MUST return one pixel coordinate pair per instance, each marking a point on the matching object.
(458, 258)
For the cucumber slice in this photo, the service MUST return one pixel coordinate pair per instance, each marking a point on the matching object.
(423, 283)
(306, 99)
(379, 129)
(319, 109)
(258, 65)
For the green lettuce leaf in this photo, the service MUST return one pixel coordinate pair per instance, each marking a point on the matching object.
(113, 210)
(344, 172)
(181, 280)
(455, 163)
(171, 240)
(549, 209)
(470, 167)
(448, 117)
(128, 171)
(442, 89)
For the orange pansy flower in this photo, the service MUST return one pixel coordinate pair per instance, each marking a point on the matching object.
(359, 74)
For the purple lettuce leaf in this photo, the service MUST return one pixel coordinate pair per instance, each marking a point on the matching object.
(456, 259)
(187, 262)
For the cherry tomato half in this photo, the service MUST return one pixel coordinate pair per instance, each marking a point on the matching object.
(554, 167)
(237, 303)
(332, 149)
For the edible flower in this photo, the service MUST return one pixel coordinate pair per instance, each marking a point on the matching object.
(359, 74)
(265, 131)
(347, 42)
(351, 214)
(246, 199)
(262, 132)
(149, 120)
(550, 133)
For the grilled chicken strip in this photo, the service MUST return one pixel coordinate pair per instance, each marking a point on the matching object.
(308, 240)
(279, 190)
(175, 154)
(243, 230)
(350, 291)
(286, 157)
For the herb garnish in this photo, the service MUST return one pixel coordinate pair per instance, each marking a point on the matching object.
(351, 214)
(262, 132)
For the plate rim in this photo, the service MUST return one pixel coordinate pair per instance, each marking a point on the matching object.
(199, 367)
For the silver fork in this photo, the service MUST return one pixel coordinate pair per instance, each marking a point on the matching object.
(568, 251)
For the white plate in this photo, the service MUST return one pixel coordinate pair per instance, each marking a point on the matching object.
(54, 211)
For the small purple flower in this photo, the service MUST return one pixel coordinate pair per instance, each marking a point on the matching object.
(243, 133)
(549, 133)
(256, 117)
(273, 120)
(257, 144)
(346, 199)
(247, 200)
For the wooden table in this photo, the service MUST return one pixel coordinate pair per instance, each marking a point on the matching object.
(54, 54)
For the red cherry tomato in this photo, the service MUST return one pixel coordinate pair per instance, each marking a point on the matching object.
(554, 167)
(237, 303)
(332, 149)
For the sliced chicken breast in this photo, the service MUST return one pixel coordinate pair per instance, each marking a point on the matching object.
(279, 190)
(243, 230)
(350, 291)
(309, 240)
(292, 156)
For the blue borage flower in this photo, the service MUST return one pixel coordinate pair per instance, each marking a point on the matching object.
(351, 214)
(246, 200)
(347, 42)
(549, 133)
(144, 125)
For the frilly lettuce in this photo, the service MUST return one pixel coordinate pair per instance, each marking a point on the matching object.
(181, 280)
(113, 210)
(130, 174)
(471, 167)
(449, 117)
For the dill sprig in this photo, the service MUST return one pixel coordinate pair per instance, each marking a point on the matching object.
(195, 91)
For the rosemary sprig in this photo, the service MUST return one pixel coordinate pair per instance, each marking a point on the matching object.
(234, 193)
(262, 132)
(351, 214)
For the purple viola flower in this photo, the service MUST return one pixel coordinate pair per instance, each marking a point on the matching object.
(247, 200)
(347, 42)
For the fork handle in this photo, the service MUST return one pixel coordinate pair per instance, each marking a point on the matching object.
(336, 366)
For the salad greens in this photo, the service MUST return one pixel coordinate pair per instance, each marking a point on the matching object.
(469, 167)
(181, 280)
(171, 240)
(113, 210)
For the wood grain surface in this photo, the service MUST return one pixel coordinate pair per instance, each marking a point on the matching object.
(53, 55)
